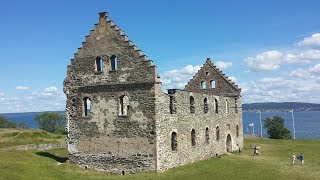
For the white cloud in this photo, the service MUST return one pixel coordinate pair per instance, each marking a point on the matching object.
(50, 90)
(223, 65)
(313, 40)
(178, 78)
(269, 60)
(307, 73)
(22, 88)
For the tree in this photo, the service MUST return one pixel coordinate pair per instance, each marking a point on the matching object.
(6, 123)
(51, 121)
(276, 129)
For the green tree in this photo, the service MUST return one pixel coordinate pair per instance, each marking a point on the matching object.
(276, 129)
(6, 123)
(51, 121)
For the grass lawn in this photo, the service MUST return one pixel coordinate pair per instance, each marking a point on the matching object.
(14, 137)
(273, 163)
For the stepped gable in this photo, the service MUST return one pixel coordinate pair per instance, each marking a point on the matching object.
(98, 33)
(216, 82)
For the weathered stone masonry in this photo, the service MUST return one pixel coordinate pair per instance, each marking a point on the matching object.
(119, 120)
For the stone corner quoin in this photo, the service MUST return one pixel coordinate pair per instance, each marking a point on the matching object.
(119, 120)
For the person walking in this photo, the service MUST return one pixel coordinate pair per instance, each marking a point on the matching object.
(293, 159)
(302, 159)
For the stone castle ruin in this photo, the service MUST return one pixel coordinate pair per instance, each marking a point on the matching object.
(119, 120)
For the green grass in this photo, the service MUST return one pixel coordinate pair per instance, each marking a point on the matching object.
(273, 163)
(14, 137)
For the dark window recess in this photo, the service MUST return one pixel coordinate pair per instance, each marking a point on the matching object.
(172, 105)
(99, 64)
(192, 108)
(217, 106)
(237, 130)
(207, 135)
(114, 62)
(124, 104)
(217, 133)
(174, 143)
(205, 105)
(193, 137)
(236, 105)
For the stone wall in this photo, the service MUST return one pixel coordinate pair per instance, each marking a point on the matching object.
(182, 122)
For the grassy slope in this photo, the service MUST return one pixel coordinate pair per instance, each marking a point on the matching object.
(274, 163)
(13, 137)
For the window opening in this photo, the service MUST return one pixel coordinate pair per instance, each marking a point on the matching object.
(172, 105)
(203, 85)
(98, 64)
(87, 106)
(114, 62)
(124, 105)
(236, 104)
(213, 84)
(205, 105)
(174, 142)
(216, 105)
(193, 137)
(192, 108)
(237, 130)
(217, 133)
(227, 109)
(207, 135)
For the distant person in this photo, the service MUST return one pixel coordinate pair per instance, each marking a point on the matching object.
(255, 151)
(293, 159)
(302, 158)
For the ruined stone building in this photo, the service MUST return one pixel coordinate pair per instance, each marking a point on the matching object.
(119, 120)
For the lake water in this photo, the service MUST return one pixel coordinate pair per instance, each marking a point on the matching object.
(307, 123)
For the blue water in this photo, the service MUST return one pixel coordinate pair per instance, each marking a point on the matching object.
(307, 123)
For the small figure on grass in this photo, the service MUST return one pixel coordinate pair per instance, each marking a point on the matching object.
(293, 159)
(256, 151)
(301, 158)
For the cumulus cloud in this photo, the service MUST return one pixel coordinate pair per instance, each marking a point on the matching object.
(269, 60)
(48, 99)
(223, 65)
(178, 78)
(307, 73)
(22, 88)
(313, 41)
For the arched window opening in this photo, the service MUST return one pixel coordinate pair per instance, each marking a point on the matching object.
(123, 105)
(174, 143)
(86, 106)
(227, 106)
(207, 135)
(172, 105)
(203, 84)
(114, 62)
(236, 105)
(205, 105)
(216, 105)
(217, 133)
(213, 84)
(98, 64)
(192, 108)
(237, 130)
(193, 137)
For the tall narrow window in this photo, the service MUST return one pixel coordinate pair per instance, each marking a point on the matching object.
(216, 105)
(236, 105)
(193, 137)
(114, 62)
(172, 105)
(227, 106)
(86, 106)
(205, 105)
(217, 133)
(203, 84)
(123, 105)
(192, 108)
(237, 130)
(174, 143)
(98, 64)
(207, 135)
(212, 84)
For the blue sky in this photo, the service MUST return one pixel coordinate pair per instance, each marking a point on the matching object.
(270, 48)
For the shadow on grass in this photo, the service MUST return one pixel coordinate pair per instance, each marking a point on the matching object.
(52, 156)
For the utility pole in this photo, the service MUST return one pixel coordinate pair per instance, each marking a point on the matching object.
(294, 130)
(260, 126)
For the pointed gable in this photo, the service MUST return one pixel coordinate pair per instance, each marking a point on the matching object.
(210, 80)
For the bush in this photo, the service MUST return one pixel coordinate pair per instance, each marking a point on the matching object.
(6, 123)
(276, 129)
(51, 121)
